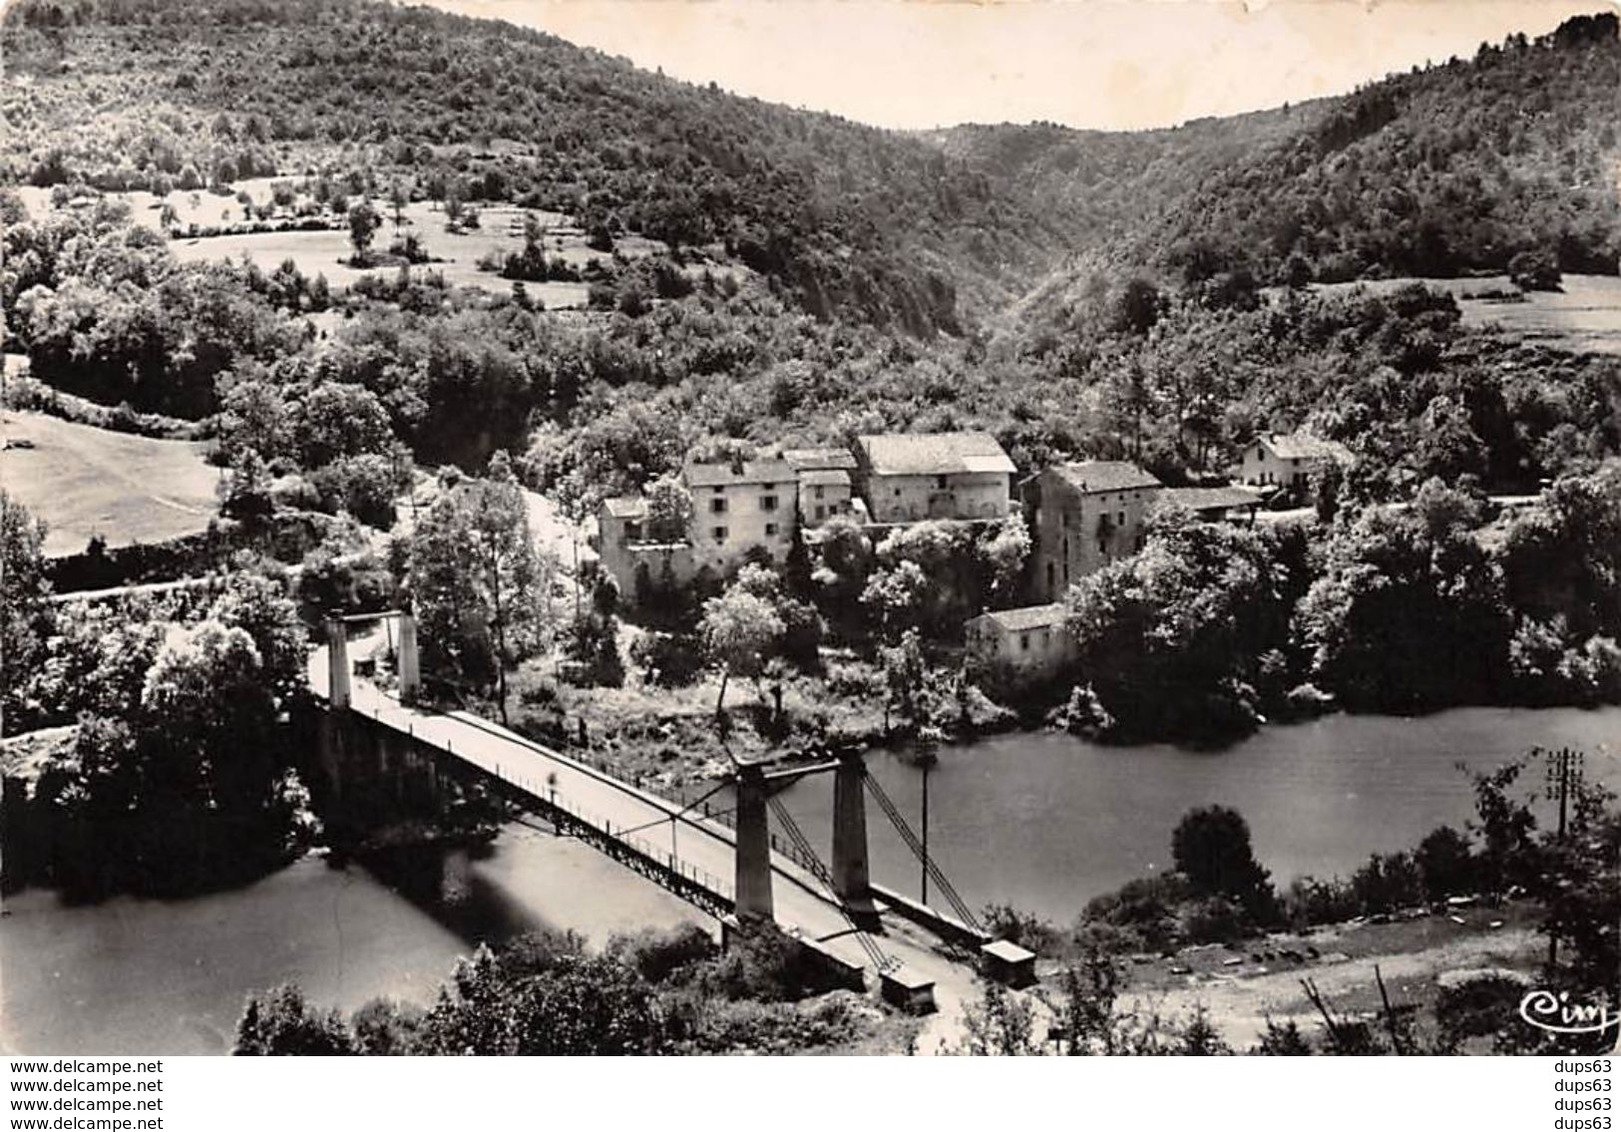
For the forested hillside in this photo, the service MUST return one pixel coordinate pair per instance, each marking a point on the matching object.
(1440, 172)
(845, 219)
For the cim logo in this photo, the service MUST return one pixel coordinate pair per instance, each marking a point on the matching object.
(1556, 1014)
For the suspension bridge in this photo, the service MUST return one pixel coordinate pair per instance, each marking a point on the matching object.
(727, 862)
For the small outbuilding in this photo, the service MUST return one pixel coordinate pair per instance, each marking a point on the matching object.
(1007, 963)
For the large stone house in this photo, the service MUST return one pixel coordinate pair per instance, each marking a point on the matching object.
(1289, 461)
(1082, 517)
(908, 477)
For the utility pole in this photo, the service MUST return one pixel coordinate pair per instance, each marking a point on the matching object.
(1564, 769)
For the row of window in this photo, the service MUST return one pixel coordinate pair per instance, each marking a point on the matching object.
(720, 534)
(717, 506)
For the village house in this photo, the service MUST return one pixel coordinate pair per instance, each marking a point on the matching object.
(825, 485)
(1213, 504)
(1012, 647)
(907, 477)
(1082, 517)
(736, 508)
(1289, 461)
(739, 507)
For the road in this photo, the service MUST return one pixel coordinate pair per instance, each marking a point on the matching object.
(802, 904)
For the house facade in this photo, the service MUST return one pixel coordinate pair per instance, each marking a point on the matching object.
(1289, 461)
(736, 508)
(625, 541)
(909, 477)
(826, 486)
(739, 507)
(1082, 517)
(1010, 647)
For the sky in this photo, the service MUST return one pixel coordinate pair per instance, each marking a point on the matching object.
(1109, 64)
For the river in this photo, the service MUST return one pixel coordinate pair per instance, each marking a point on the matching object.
(1043, 822)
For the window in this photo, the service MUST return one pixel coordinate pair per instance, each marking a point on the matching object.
(1050, 576)
(717, 506)
(768, 502)
(897, 493)
(818, 490)
(771, 530)
(719, 533)
(1024, 642)
(821, 511)
(1122, 519)
(940, 483)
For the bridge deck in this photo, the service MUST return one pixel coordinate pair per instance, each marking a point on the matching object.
(687, 844)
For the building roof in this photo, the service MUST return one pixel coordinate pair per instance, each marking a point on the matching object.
(805, 459)
(934, 453)
(626, 506)
(1210, 498)
(1305, 446)
(753, 471)
(1006, 952)
(836, 476)
(1029, 617)
(1105, 475)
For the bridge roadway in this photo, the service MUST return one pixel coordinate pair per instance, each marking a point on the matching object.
(702, 846)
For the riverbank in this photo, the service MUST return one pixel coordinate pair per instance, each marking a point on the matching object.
(1245, 986)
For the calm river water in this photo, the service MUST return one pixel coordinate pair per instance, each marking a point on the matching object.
(1040, 821)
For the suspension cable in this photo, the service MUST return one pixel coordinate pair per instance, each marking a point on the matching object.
(958, 905)
(875, 954)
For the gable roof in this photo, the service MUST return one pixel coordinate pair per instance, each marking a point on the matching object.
(1028, 617)
(1304, 446)
(837, 476)
(626, 506)
(1210, 498)
(934, 453)
(753, 471)
(1089, 476)
(804, 459)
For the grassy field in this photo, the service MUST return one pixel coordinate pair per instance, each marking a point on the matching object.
(1584, 317)
(85, 481)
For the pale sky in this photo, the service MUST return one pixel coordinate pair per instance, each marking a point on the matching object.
(1115, 64)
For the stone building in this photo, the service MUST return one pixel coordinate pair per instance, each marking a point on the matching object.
(1082, 517)
(907, 477)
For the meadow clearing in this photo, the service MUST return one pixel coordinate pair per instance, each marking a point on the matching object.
(86, 481)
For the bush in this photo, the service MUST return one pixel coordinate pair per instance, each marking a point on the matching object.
(667, 660)
(1215, 920)
(657, 955)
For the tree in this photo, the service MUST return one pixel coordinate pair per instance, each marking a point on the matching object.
(896, 595)
(476, 581)
(1211, 846)
(738, 629)
(1000, 1024)
(1173, 638)
(669, 510)
(24, 614)
(281, 1023)
(363, 225)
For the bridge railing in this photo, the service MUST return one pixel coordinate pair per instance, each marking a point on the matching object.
(659, 864)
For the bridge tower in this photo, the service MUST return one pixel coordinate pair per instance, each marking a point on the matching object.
(850, 869)
(753, 856)
(407, 665)
(337, 659)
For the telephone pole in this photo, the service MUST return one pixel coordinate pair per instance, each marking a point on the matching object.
(1563, 773)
